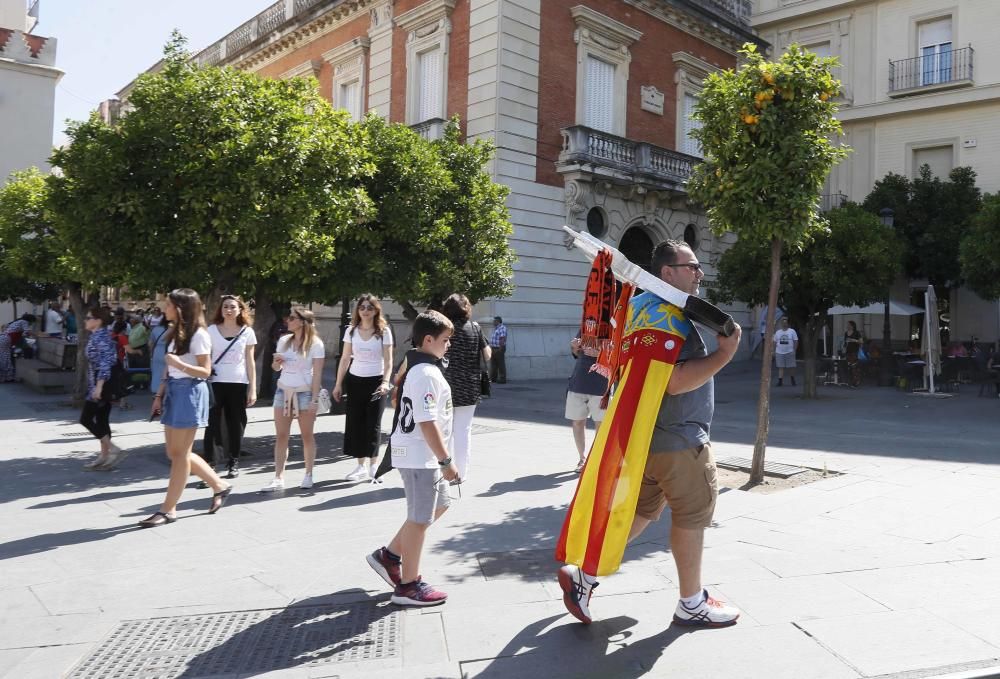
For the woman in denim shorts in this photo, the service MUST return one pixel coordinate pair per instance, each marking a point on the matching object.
(182, 403)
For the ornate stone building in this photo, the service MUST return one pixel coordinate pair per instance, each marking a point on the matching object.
(587, 102)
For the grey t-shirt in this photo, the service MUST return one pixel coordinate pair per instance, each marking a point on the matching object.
(685, 420)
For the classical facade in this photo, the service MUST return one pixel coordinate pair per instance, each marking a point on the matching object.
(921, 86)
(587, 102)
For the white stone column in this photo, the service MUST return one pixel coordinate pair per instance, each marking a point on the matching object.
(380, 59)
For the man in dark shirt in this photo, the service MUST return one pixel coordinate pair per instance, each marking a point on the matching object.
(680, 470)
(583, 395)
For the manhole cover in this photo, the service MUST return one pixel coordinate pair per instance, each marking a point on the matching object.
(76, 434)
(244, 643)
(483, 429)
(782, 471)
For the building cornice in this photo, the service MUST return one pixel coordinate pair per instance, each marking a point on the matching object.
(30, 69)
(308, 68)
(692, 25)
(432, 11)
(347, 50)
(763, 20)
(605, 26)
(972, 96)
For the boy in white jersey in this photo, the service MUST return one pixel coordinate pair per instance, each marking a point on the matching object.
(420, 444)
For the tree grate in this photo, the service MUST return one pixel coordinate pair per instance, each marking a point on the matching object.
(782, 471)
(243, 643)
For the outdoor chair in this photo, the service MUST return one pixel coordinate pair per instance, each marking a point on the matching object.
(988, 381)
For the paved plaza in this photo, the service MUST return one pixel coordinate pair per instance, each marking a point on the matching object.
(889, 569)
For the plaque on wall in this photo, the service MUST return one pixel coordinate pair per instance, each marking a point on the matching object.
(652, 100)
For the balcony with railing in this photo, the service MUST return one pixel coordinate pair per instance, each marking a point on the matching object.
(829, 201)
(431, 130)
(622, 160)
(737, 11)
(250, 32)
(938, 70)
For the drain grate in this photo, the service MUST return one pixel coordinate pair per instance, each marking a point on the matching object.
(245, 642)
(76, 434)
(483, 429)
(782, 471)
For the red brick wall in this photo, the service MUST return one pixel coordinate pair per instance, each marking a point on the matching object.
(651, 64)
(315, 49)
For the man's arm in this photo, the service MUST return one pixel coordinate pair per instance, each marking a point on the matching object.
(690, 375)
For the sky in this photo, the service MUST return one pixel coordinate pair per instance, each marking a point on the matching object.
(104, 44)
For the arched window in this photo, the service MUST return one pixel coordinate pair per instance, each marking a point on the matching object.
(691, 236)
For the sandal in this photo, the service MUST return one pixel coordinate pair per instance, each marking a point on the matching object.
(157, 519)
(219, 499)
(579, 467)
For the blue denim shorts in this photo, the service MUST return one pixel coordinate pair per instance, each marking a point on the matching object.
(305, 399)
(185, 405)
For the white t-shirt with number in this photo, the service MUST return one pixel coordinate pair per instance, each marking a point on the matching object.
(784, 341)
(426, 397)
(233, 366)
(367, 353)
(201, 345)
(297, 370)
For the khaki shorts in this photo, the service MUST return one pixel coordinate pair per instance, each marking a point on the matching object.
(683, 479)
(578, 406)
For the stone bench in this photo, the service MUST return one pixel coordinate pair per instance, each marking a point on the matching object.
(44, 377)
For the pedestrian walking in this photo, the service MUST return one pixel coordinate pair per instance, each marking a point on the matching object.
(498, 347)
(786, 343)
(584, 394)
(234, 381)
(420, 451)
(102, 355)
(464, 376)
(852, 347)
(299, 356)
(182, 404)
(363, 378)
(679, 469)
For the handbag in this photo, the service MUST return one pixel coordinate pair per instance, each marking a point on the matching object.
(325, 402)
(484, 375)
(117, 386)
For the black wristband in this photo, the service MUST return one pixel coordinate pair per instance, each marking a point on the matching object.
(445, 462)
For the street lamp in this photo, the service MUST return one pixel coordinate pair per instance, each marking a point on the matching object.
(887, 217)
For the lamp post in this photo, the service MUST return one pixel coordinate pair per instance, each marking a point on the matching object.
(886, 216)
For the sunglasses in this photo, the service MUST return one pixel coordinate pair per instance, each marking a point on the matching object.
(366, 307)
(694, 266)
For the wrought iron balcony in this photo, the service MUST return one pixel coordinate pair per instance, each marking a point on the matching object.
(738, 11)
(829, 201)
(944, 69)
(431, 130)
(624, 160)
(259, 27)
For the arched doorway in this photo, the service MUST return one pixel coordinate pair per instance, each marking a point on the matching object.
(637, 246)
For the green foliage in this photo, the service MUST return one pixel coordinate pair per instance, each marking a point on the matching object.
(215, 179)
(930, 215)
(980, 250)
(34, 258)
(852, 262)
(766, 134)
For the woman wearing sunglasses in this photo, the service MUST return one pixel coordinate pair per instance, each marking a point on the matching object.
(182, 402)
(102, 353)
(299, 356)
(363, 378)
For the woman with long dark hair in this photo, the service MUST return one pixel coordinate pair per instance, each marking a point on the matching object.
(182, 403)
(234, 380)
(463, 375)
(299, 356)
(363, 378)
(102, 354)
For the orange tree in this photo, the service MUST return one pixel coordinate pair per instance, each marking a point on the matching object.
(767, 138)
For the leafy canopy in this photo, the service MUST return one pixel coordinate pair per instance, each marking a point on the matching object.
(767, 130)
(980, 250)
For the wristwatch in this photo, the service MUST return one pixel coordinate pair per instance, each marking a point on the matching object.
(445, 462)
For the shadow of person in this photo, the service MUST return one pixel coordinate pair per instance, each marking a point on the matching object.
(37, 544)
(530, 483)
(306, 632)
(580, 651)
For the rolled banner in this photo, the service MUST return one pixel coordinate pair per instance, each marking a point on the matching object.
(695, 308)
(597, 524)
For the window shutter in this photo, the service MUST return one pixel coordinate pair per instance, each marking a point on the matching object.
(350, 99)
(940, 159)
(598, 94)
(934, 32)
(430, 85)
(690, 145)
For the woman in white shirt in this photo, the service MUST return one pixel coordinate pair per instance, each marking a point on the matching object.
(234, 381)
(363, 377)
(182, 402)
(299, 356)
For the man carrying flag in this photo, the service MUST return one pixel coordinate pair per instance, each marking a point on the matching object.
(663, 404)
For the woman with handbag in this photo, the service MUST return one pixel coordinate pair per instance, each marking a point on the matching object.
(234, 381)
(102, 355)
(363, 378)
(464, 375)
(182, 403)
(300, 357)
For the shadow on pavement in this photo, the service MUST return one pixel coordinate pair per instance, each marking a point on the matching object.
(376, 494)
(534, 482)
(45, 542)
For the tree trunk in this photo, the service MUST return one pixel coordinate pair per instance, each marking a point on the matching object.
(225, 285)
(764, 399)
(409, 311)
(79, 306)
(264, 318)
(809, 335)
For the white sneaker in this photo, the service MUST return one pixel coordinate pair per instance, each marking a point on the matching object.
(360, 473)
(275, 485)
(709, 613)
(307, 481)
(576, 592)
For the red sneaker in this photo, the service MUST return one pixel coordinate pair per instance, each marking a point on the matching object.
(388, 569)
(418, 593)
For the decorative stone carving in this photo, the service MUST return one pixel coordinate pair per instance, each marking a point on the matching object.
(652, 99)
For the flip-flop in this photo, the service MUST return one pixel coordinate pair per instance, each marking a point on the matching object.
(156, 520)
(219, 499)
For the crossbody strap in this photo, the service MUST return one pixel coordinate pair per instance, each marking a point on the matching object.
(230, 345)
